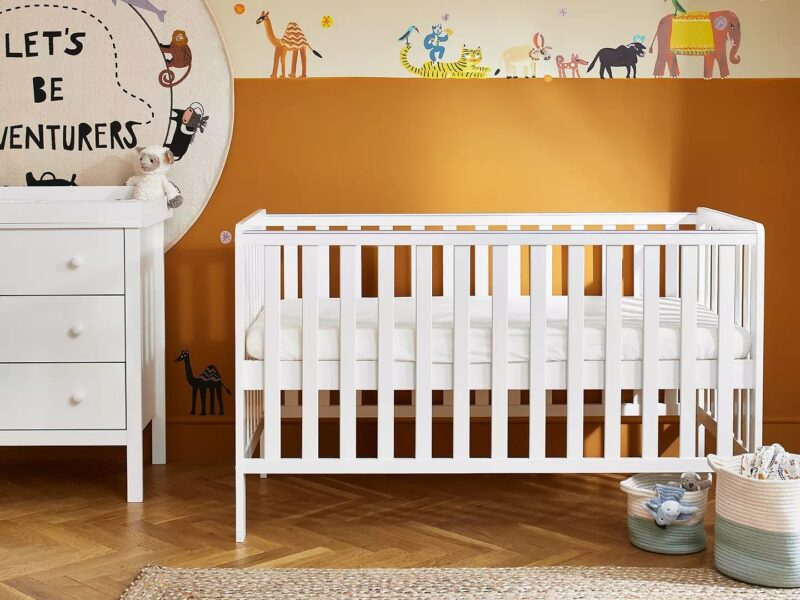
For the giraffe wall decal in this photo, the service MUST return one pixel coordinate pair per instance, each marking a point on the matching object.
(208, 380)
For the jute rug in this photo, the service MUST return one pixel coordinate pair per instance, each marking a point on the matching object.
(590, 583)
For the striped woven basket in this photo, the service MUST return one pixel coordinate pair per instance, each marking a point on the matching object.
(757, 531)
(682, 537)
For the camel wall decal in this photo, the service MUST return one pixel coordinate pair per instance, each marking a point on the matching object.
(208, 381)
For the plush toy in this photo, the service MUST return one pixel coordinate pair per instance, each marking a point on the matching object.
(152, 184)
(666, 507)
(691, 482)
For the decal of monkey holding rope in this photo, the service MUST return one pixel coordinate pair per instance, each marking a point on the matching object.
(177, 55)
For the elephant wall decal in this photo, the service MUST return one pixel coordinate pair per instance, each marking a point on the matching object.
(698, 34)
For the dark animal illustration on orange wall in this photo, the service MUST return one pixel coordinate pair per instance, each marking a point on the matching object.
(293, 40)
(177, 55)
(703, 34)
(621, 56)
(208, 381)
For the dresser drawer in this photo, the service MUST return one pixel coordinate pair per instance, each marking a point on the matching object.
(62, 261)
(62, 329)
(62, 396)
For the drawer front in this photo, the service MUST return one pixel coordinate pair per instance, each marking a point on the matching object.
(62, 261)
(62, 329)
(62, 396)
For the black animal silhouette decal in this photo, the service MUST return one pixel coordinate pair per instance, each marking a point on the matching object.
(184, 125)
(621, 56)
(48, 179)
(208, 380)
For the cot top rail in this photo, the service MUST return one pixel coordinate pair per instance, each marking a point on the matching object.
(719, 220)
(261, 219)
(264, 237)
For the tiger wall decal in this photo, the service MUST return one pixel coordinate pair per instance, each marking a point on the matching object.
(468, 66)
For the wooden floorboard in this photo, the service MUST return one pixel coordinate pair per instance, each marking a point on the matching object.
(66, 531)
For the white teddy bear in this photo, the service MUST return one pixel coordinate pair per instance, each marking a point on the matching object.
(152, 184)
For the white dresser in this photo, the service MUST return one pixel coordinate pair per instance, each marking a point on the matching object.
(82, 321)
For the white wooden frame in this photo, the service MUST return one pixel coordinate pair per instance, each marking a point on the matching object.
(140, 229)
(711, 258)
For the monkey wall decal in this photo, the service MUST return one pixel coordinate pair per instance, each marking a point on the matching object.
(177, 55)
(186, 124)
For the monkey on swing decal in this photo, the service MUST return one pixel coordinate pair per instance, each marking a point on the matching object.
(95, 79)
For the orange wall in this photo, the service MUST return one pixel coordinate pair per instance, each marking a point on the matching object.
(383, 145)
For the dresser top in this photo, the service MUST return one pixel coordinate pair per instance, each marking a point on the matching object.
(79, 206)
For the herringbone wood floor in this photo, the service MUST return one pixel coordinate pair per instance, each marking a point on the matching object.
(66, 532)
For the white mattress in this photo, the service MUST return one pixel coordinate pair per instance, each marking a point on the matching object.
(481, 332)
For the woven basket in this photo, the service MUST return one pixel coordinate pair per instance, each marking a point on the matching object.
(682, 537)
(757, 531)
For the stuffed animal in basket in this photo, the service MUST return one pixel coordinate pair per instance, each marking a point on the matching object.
(691, 482)
(152, 184)
(666, 507)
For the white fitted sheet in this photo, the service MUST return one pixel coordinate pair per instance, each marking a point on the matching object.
(481, 331)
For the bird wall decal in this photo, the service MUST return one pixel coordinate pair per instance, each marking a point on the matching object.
(407, 35)
(678, 7)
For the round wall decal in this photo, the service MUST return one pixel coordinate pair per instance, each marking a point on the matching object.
(86, 82)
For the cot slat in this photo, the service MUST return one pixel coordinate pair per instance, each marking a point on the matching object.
(737, 294)
(424, 328)
(310, 410)
(671, 281)
(323, 269)
(481, 266)
(357, 274)
(612, 395)
(638, 264)
(461, 353)
(481, 285)
(500, 292)
(272, 357)
(747, 283)
(290, 269)
(726, 263)
(385, 351)
(447, 265)
(702, 273)
(538, 335)
(651, 281)
(549, 280)
(603, 252)
(575, 304)
(347, 352)
(688, 414)
(714, 278)
(413, 261)
(671, 274)
(514, 285)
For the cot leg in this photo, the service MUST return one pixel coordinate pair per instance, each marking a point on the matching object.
(241, 508)
(262, 450)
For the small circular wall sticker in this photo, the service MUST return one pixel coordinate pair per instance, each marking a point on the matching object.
(326, 22)
(225, 237)
(239, 8)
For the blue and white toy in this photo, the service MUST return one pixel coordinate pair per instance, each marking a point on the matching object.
(666, 507)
